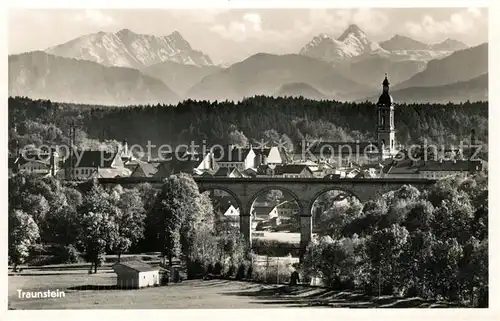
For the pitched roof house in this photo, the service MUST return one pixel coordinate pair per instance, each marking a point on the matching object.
(431, 169)
(270, 155)
(143, 169)
(231, 156)
(229, 172)
(88, 164)
(35, 162)
(136, 274)
(293, 171)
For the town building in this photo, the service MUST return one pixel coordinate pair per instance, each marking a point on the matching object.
(136, 274)
(141, 169)
(231, 172)
(44, 163)
(431, 169)
(285, 209)
(234, 157)
(87, 164)
(342, 154)
(271, 156)
(293, 171)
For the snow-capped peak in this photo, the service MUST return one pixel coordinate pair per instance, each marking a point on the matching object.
(323, 36)
(352, 43)
(353, 31)
(126, 48)
(450, 44)
(124, 32)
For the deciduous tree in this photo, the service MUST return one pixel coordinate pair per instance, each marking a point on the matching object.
(23, 233)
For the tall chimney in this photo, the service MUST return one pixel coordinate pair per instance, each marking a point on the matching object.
(472, 148)
(53, 162)
(125, 147)
(17, 151)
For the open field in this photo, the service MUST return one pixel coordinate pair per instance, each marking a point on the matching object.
(95, 291)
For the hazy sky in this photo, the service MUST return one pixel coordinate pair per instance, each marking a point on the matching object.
(232, 35)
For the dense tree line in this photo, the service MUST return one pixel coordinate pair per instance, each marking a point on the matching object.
(432, 244)
(250, 119)
(176, 220)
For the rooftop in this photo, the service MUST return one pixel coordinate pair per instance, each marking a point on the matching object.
(146, 169)
(93, 158)
(340, 148)
(291, 169)
(137, 266)
(408, 166)
(230, 154)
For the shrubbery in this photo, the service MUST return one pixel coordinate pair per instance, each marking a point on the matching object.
(68, 254)
(274, 248)
(426, 244)
(218, 269)
(231, 272)
(195, 269)
(241, 274)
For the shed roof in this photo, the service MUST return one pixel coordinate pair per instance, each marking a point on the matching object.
(93, 158)
(137, 266)
(292, 169)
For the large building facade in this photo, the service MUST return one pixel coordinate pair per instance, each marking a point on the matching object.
(386, 133)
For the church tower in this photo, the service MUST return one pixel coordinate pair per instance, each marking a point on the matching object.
(385, 121)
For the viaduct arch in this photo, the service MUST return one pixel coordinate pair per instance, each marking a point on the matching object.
(304, 190)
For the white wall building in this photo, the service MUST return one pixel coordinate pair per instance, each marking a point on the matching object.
(136, 274)
(234, 157)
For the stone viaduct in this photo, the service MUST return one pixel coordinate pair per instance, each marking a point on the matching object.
(304, 190)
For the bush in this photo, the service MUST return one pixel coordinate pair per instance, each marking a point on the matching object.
(232, 270)
(294, 278)
(218, 269)
(412, 292)
(57, 255)
(387, 288)
(37, 250)
(195, 269)
(250, 273)
(276, 273)
(275, 248)
(348, 284)
(164, 278)
(68, 254)
(210, 268)
(240, 275)
(101, 260)
(41, 260)
(335, 283)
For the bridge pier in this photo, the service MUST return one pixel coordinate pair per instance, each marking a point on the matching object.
(305, 230)
(246, 228)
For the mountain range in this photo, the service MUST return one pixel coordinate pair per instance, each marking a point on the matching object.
(352, 43)
(264, 74)
(131, 68)
(399, 42)
(300, 89)
(128, 49)
(475, 89)
(179, 77)
(41, 75)
(460, 66)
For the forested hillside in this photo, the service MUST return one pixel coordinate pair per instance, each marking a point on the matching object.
(259, 117)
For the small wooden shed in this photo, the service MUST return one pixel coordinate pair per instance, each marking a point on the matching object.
(136, 274)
